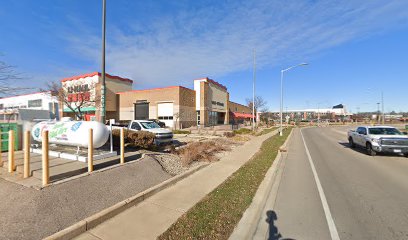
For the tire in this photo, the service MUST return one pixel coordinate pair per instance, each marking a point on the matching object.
(406, 155)
(351, 142)
(370, 150)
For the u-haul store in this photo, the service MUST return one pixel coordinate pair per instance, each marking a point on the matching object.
(86, 91)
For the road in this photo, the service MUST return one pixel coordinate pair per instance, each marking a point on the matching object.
(336, 192)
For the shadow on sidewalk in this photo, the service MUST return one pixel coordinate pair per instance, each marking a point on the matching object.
(273, 230)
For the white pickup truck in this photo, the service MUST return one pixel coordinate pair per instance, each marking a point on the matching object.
(162, 135)
(377, 139)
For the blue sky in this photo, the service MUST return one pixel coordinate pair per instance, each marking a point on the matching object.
(355, 49)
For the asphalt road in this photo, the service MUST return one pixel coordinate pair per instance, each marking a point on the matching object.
(350, 196)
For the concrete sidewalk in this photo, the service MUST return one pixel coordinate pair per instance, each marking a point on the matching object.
(155, 215)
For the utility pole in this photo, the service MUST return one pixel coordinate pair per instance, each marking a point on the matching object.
(253, 93)
(378, 112)
(103, 97)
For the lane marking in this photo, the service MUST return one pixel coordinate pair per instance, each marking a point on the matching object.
(330, 222)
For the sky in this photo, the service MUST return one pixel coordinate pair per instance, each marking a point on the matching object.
(356, 50)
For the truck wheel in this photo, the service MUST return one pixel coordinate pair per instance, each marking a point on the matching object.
(406, 155)
(351, 142)
(370, 150)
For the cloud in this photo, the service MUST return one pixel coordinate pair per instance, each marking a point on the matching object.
(217, 40)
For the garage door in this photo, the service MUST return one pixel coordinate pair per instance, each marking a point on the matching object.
(142, 111)
(165, 113)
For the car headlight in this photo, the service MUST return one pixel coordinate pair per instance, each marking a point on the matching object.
(376, 140)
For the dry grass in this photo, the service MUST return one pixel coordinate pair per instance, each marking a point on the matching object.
(229, 134)
(202, 151)
(241, 138)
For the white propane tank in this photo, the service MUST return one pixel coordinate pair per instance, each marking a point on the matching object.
(72, 133)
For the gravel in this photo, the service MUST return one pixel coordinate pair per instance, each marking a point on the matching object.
(27, 213)
(170, 163)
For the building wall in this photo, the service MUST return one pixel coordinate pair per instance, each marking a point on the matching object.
(183, 100)
(236, 107)
(35, 101)
(217, 96)
(112, 87)
(204, 98)
(188, 114)
(211, 100)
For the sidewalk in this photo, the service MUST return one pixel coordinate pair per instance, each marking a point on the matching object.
(60, 168)
(156, 214)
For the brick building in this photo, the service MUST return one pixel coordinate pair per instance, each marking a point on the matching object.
(175, 105)
(239, 113)
(178, 107)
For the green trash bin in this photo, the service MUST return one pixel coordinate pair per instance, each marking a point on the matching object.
(4, 129)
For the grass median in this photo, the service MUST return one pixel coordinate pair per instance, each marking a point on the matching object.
(219, 212)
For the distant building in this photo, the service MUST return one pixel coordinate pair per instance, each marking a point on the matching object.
(42, 102)
(336, 113)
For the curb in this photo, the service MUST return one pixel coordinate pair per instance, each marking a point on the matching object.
(94, 220)
(246, 227)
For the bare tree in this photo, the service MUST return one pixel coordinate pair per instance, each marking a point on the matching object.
(8, 76)
(76, 99)
(177, 116)
(260, 104)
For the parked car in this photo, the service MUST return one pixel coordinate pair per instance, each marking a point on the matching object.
(162, 135)
(161, 124)
(377, 139)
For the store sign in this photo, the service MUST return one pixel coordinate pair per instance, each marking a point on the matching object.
(79, 93)
(79, 97)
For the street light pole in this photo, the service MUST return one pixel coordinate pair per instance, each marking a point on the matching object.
(382, 106)
(281, 100)
(253, 93)
(103, 98)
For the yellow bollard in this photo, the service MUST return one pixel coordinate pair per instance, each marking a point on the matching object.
(45, 159)
(122, 146)
(90, 151)
(11, 152)
(27, 143)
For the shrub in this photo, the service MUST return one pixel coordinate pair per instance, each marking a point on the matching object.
(201, 151)
(181, 132)
(140, 139)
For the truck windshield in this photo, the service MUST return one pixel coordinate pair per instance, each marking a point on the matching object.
(149, 125)
(384, 131)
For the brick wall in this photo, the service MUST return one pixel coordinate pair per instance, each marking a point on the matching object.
(236, 107)
(183, 100)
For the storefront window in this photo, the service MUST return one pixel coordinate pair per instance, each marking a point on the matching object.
(35, 103)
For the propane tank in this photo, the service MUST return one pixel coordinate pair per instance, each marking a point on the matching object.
(72, 133)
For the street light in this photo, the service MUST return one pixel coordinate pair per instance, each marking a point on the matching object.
(281, 102)
(103, 99)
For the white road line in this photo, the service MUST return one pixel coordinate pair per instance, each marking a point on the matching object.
(330, 222)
